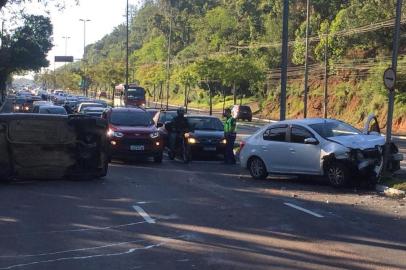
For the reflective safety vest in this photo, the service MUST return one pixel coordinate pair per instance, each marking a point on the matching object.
(230, 125)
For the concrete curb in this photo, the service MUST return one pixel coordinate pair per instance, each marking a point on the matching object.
(390, 192)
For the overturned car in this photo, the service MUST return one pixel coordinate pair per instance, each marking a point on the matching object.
(35, 146)
(324, 147)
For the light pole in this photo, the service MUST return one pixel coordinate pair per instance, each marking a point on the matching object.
(306, 88)
(66, 44)
(127, 52)
(66, 53)
(84, 54)
(284, 70)
(391, 104)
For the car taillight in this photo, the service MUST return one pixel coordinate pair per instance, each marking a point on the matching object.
(242, 144)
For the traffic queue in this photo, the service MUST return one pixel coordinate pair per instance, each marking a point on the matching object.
(319, 147)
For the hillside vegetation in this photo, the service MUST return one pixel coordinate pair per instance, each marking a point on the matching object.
(233, 48)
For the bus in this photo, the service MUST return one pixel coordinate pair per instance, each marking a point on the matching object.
(135, 96)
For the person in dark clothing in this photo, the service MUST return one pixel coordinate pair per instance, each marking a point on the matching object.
(178, 127)
(230, 135)
(68, 109)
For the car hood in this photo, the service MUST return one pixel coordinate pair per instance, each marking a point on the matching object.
(128, 129)
(208, 134)
(359, 141)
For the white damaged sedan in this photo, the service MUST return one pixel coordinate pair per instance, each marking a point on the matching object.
(323, 147)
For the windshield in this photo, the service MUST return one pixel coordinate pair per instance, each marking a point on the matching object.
(334, 129)
(91, 105)
(52, 110)
(205, 123)
(131, 119)
(167, 116)
(136, 92)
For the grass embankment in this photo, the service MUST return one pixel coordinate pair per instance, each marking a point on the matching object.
(397, 182)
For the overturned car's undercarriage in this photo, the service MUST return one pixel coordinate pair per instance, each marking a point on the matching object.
(52, 147)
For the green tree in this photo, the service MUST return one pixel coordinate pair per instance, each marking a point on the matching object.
(26, 48)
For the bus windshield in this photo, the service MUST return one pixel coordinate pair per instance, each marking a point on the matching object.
(136, 92)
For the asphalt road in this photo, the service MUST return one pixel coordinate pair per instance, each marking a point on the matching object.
(198, 216)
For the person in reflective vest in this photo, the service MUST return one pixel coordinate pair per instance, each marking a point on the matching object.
(230, 135)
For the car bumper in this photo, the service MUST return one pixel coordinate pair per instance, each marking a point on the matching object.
(218, 149)
(124, 149)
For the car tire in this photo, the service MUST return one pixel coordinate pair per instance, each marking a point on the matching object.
(158, 159)
(249, 119)
(337, 174)
(257, 168)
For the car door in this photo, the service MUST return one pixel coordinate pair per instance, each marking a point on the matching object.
(274, 149)
(304, 156)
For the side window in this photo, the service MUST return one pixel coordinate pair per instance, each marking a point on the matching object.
(277, 134)
(162, 117)
(299, 135)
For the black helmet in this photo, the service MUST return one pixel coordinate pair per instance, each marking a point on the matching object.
(181, 111)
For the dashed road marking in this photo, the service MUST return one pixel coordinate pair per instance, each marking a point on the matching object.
(144, 214)
(304, 210)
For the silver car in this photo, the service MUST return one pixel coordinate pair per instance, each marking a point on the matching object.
(323, 147)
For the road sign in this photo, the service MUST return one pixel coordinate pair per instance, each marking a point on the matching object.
(389, 78)
(64, 59)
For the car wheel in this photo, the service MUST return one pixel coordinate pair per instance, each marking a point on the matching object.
(158, 158)
(257, 168)
(249, 119)
(337, 174)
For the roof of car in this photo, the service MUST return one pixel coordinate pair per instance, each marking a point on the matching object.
(128, 109)
(201, 116)
(90, 103)
(307, 121)
(95, 109)
(51, 106)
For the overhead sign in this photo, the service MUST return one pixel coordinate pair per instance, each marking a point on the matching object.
(64, 59)
(389, 78)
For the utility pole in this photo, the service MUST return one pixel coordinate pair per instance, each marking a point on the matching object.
(306, 88)
(325, 107)
(2, 34)
(84, 55)
(391, 105)
(284, 71)
(66, 44)
(3, 91)
(127, 52)
(168, 63)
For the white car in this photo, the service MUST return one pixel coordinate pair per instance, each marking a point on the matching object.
(323, 147)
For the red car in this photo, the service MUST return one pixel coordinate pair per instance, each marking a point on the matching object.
(132, 134)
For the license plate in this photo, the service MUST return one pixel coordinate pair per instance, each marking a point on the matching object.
(137, 148)
(209, 148)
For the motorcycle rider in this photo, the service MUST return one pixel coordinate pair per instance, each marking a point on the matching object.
(178, 128)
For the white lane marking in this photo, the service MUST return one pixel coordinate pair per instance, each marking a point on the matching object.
(90, 228)
(129, 251)
(144, 214)
(73, 250)
(304, 210)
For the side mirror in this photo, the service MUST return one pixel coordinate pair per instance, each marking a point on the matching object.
(159, 125)
(311, 141)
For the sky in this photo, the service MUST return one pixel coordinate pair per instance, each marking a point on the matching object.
(104, 16)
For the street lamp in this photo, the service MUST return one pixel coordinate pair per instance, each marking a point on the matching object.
(127, 53)
(84, 53)
(66, 44)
